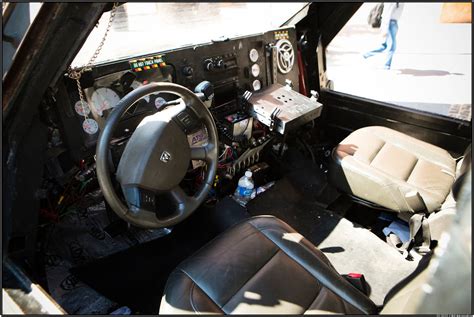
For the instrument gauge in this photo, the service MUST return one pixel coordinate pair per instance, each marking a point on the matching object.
(103, 99)
(256, 85)
(82, 108)
(253, 55)
(255, 70)
(159, 102)
(135, 84)
(90, 126)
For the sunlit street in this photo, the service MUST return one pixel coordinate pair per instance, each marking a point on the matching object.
(431, 69)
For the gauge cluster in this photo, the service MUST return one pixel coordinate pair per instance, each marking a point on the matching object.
(103, 99)
(107, 91)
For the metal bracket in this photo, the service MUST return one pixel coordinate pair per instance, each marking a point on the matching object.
(274, 64)
(274, 117)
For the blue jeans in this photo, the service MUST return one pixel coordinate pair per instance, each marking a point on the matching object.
(390, 44)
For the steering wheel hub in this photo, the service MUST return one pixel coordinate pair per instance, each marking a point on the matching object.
(156, 156)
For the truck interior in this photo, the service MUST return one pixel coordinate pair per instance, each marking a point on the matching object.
(120, 170)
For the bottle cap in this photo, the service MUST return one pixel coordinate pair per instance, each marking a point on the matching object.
(248, 174)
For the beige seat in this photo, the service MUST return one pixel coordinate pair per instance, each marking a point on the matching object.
(393, 170)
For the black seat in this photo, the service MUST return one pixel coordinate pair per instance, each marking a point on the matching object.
(261, 266)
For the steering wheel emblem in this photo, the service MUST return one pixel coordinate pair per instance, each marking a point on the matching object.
(165, 157)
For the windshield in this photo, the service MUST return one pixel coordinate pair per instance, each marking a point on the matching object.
(143, 28)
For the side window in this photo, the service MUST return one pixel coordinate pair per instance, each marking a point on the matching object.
(419, 57)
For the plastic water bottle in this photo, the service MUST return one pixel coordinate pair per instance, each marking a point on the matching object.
(245, 189)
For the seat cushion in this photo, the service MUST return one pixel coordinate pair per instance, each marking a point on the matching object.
(260, 266)
(393, 170)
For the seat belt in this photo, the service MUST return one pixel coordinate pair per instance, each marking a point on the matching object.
(420, 235)
(420, 238)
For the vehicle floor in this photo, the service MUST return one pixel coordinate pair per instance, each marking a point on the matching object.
(349, 246)
(94, 266)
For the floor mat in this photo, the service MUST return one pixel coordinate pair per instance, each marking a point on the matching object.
(289, 204)
(349, 247)
(136, 277)
(81, 238)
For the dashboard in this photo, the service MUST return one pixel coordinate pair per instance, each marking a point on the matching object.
(236, 72)
(232, 66)
(249, 84)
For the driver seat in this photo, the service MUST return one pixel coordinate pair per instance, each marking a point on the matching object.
(261, 266)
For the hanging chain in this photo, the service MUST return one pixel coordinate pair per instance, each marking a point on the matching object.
(76, 73)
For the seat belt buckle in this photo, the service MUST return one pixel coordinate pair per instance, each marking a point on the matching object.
(358, 281)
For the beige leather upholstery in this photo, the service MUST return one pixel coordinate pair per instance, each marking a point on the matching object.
(393, 170)
(441, 220)
(261, 266)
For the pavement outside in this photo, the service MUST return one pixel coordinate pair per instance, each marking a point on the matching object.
(431, 68)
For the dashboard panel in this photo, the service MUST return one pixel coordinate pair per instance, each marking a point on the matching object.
(232, 66)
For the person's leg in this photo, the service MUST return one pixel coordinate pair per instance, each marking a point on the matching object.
(392, 42)
(380, 49)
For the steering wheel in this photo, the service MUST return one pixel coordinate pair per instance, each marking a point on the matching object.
(156, 159)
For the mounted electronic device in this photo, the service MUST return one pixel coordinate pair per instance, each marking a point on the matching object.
(282, 109)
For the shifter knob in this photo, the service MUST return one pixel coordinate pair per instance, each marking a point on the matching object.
(205, 91)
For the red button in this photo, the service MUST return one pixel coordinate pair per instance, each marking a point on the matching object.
(354, 275)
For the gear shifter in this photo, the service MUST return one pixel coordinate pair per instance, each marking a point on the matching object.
(205, 91)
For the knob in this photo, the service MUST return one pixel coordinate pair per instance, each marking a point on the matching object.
(208, 65)
(220, 63)
(314, 95)
(187, 71)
